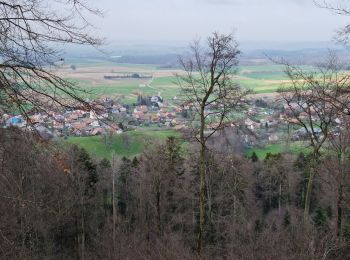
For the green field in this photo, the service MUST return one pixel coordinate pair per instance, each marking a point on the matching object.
(263, 72)
(295, 147)
(127, 144)
(133, 143)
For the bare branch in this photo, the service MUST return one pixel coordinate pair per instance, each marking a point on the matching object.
(29, 30)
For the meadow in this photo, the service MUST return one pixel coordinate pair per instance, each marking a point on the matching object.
(294, 147)
(133, 143)
(128, 144)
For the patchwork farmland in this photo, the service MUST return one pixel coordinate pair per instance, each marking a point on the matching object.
(264, 79)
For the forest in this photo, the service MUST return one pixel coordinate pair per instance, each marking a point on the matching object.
(59, 203)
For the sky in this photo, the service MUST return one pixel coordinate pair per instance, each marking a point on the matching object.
(133, 21)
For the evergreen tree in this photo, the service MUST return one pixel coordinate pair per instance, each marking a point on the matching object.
(301, 161)
(123, 182)
(320, 218)
(286, 219)
(254, 157)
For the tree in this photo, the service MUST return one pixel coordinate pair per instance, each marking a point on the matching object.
(83, 180)
(207, 85)
(159, 173)
(337, 165)
(274, 181)
(228, 196)
(124, 180)
(254, 157)
(343, 34)
(312, 100)
(49, 209)
(29, 30)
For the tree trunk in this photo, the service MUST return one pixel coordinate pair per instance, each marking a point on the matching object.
(82, 245)
(113, 204)
(158, 208)
(209, 198)
(201, 199)
(202, 169)
(279, 199)
(234, 206)
(308, 193)
(339, 210)
(83, 240)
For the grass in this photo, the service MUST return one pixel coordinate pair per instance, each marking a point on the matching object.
(263, 72)
(259, 86)
(295, 147)
(127, 144)
(133, 143)
(129, 89)
(166, 86)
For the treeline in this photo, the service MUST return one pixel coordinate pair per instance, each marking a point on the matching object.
(60, 203)
(168, 60)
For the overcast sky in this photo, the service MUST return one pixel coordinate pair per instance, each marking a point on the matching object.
(182, 20)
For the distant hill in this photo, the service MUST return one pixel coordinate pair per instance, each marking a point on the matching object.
(309, 56)
(166, 56)
(169, 60)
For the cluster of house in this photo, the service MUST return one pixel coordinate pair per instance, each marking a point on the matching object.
(154, 110)
(273, 121)
(264, 120)
(56, 124)
(71, 122)
(90, 123)
(165, 116)
(336, 122)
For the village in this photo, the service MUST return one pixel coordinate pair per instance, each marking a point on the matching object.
(108, 117)
(265, 121)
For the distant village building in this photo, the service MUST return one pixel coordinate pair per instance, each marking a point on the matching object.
(252, 125)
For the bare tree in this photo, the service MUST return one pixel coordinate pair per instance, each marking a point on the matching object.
(207, 85)
(339, 8)
(337, 166)
(313, 99)
(343, 37)
(31, 31)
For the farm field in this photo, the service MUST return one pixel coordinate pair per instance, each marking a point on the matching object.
(89, 75)
(127, 144)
